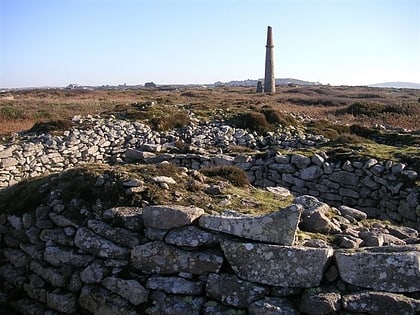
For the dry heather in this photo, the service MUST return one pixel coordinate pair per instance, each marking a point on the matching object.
(20, 110)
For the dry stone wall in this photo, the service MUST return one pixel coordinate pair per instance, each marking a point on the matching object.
(179, 260)
(383, 189)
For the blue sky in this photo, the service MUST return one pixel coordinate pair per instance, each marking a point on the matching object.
(95, 42)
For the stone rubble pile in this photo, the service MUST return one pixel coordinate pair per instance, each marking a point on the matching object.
(178, 260)
(383, 189)
(96, 139)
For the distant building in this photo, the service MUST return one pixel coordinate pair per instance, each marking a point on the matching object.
(150, 85)
(72, 86)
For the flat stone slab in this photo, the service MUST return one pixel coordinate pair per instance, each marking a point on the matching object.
(277, 227)
(98, 246)
(169, 217)
(277, 265)
(160, 258)
(388, 268)
(384, 303)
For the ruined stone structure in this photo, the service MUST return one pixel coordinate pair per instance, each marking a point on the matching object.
(178, 260)
(269, 78)
(63, 258)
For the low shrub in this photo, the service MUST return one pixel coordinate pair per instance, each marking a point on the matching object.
(275, 117)
(327, 129)
(233, 174)
(50, 126)
(254, 121)
(349, 138)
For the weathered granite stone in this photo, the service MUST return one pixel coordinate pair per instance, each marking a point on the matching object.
(402, 232)
(29, 306)
(57, 235)
(13, 275)
(36, 293)
(300, 161)
(191, 236)
(272, 306)
(57, 255)
(311, 173)
(277, 265)
(355, 213)
(119, 236)
(175, 305)
(277, 227)
(175, 285)
(281, 191)
(390, 268)
(314, 216)
(61, 220)
(34, 251)
(130, 217)
(99, 300)
(50, 274)
(215, 308)
(131, 290)
(232, 291)
(94, 273)
(318, 302)
(160, 258)
(98, 246)
(62, 302)
(168, 217)
(381, 303)
(155, 234)
(16, 257)
(344, 178)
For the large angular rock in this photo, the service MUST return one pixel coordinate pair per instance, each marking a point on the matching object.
(98, 246)
(169, 217)
(314, 216)
(160, 258)
(272, 306)
(277, 265)
(175, 285)
(315, 301)
(390, 268)
(381, 303)
(94, 273)
(131, 290)
(232, 291)
(129, 217)
(278, 227)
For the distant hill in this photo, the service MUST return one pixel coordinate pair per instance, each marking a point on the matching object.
(398, 85)
(283, 81)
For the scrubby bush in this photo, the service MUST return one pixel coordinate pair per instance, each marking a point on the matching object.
(275, 117)
(233, 174)
(254, 121)
(349, 138)
(327, 129)
(50, 126)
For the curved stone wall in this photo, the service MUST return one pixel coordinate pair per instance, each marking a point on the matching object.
(178, 260)
(383, 189)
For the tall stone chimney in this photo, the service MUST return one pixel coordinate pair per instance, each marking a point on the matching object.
(269, 79)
